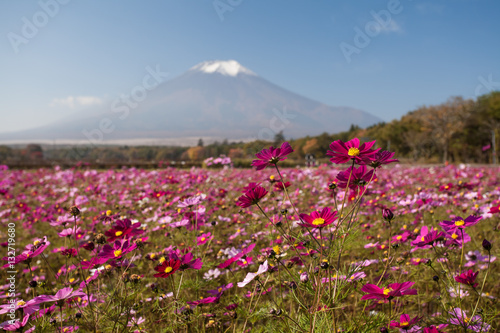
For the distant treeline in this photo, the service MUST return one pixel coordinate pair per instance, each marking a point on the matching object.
(458, 130)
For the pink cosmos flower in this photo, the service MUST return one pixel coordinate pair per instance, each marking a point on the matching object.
(250, 276)
(236, 257)
(117, 251)
(343, 152)
(272, 155)
(389, 292)
(468, 278)
(123, 229)
(427, 237)
(319, 219)
(379, 159)
(405, 323)
(459, 318)
(251, 197)
(434, 329)
(204, 238)
(28, 307)
(17, 325)
(61, 295)
(203, 301)
(359, 177)
(460, 223)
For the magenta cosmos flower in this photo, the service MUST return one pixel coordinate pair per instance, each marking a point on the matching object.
(379, 159)
(318, 219)
(167, 268)
(405, 322)
(123, 229)
(389, 292)
(61, 295)
(459, 318)
(271, 156)
(343, 152)
(251, 197)
(460, 223)
(468, 278)
(358, 179)
(427, 237)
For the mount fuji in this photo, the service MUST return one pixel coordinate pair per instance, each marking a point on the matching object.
(213, 100)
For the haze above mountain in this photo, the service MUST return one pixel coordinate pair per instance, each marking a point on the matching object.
(213, 100)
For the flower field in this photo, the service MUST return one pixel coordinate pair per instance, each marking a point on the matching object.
(363, 244)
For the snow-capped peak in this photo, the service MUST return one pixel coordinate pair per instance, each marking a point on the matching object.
(224, 67)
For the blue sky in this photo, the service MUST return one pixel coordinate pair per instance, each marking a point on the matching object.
(88, 52)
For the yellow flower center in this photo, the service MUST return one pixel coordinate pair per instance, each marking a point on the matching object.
(203, 239)
(277, 249)
(71, 280)
(318, 221)
(353, 151)
(162, 259)
(404, 323)
(387, 291)
(399, 237)
(459, 223)
(21, 303)
(108, 212)
(220, 289)
(422, 239)
(168, 269)
(118, 233)
(454, 236)
(152, 255)
(118, 253)
(466, 320)
(36, 242)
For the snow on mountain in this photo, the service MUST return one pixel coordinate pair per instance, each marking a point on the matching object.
(213, 100)
(224, 67)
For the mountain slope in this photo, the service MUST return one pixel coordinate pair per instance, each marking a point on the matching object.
(213, 100)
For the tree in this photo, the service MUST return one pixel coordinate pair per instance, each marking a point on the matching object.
(200, 142)
(279, 138)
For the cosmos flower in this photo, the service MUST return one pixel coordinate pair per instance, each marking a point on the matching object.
(460, 223)
(380, 158)
(167, 268)
(272, 155)
(434, 329)
(250, 276)
(427, 237)
(28, 307)
(191, 201)
(468, 278)
(318, 219)
(203, 301)
(459, 318)
(359, 177)
(204, 238)
(343, 152)
(389, 292)
(251, 197)
(123, 229)
(219, 291)
(406, 324)
(61, 295)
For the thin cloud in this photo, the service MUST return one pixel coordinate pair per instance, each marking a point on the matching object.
(392, 26)
(75, 101)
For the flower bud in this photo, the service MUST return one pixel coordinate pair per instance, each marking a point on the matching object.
(387, 214)
(74, 211)
(100, 239)
(435, 278)
(304, 277)
(487, 245)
